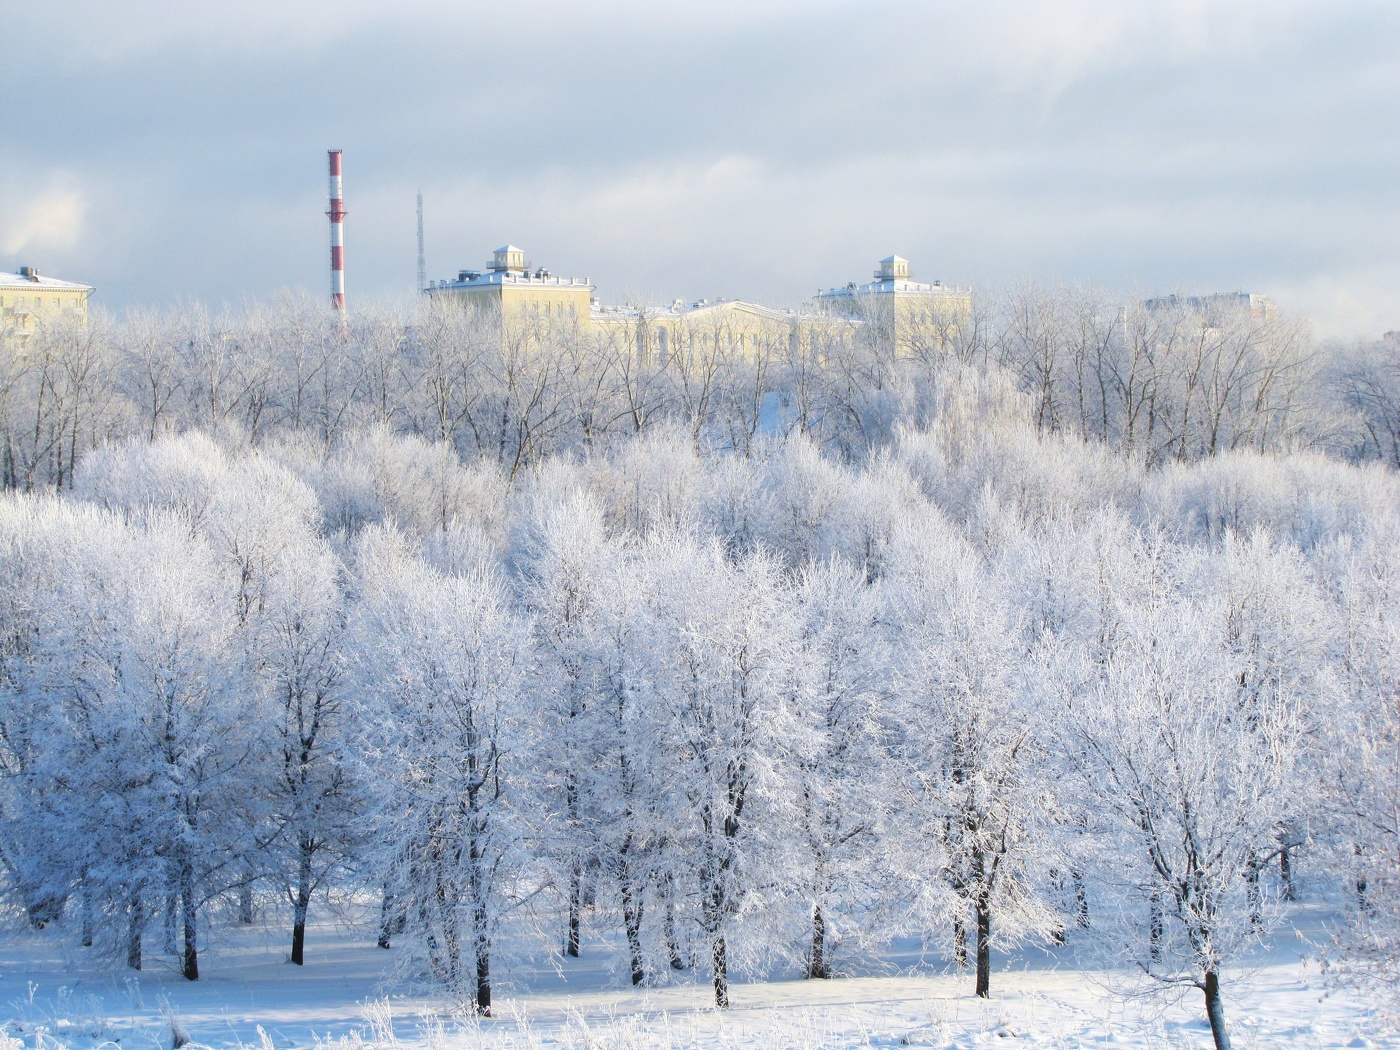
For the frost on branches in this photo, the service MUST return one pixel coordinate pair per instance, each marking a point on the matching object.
(928, 656)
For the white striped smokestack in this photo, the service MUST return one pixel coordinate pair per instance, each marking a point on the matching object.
(337, 214)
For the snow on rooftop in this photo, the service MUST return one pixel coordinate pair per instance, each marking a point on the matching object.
(11, 281)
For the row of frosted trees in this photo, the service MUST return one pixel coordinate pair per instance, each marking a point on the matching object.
(1158, 384)
(702, 710)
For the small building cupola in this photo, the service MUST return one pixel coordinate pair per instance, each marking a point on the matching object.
(895, 268)
(509, 259)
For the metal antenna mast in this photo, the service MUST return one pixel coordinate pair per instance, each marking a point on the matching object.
(422, 260)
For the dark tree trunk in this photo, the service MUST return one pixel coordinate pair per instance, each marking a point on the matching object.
(817, 965)
(303, 900)
(984, 948)
(1081, 900)
(483, 976)
(1155, 927)
(245, 904)
(481, 943)
(719, 954)
(1285, 873)
(632, 921)
(1363, 902)
(571, 939)
(386, 918)
(170, 926)
(136, 918)
(960, 943)
(189, 965)
(1252, 892)
(1215, 1011)
(87, 918)
(668, 926)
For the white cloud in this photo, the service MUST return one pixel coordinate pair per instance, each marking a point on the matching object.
(738, 147)
(53, 219)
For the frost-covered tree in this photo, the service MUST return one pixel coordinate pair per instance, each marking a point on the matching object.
(1190, 774)
(718, 690)
(442, 660)
(969, 745)
(1360, 739)
(140, 649)
(843, 777)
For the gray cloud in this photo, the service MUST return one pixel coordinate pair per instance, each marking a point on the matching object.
(170, 151)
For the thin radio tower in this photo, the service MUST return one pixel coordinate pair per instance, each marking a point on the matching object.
(422, 260)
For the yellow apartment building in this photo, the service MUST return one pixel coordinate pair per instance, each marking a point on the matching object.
(919, 315)
(510, 289)
(526, 297)
(27, 298)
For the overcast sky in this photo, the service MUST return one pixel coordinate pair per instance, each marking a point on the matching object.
(169, 151)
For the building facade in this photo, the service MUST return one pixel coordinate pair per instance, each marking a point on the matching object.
(916, 313)
(27, 299)
(1254, 305)
(510, 289)
(524, 298)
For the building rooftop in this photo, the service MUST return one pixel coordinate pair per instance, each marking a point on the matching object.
(698, 308)
(892, 278)
(30, 278)
(507, 266)
(484, 279)
(888, 286)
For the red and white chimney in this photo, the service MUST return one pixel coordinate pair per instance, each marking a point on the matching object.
(337, 214)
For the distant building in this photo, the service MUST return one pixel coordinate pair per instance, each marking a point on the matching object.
(26, 298)
(524, 297)
(911, 308)
(508, 286)
(1219, 304)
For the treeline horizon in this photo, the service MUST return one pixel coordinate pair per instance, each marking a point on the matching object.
(1156, 384)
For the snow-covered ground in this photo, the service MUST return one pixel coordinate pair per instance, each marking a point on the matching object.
(50, 993)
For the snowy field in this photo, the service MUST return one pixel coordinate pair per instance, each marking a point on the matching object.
(50, 996)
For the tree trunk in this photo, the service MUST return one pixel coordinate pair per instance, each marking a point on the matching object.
(481, 941)
(483, 975)
(1363, 902)
(1252, 892)
(1155, 927)
(668, 926)
(1215, 1011)
(303, 900)
(1285, 873)
(87, 919)
(719, 955)
(386, 917)
(959, 943)
(632, 921)
(984, 948)
(817, 966)
(1081, 901)
(171, 924)
(575, 911)
(136, 918)
(245, 904)
(189, 966)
